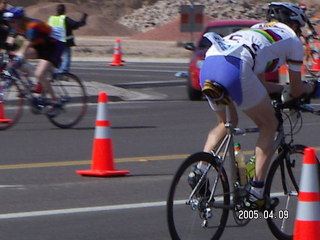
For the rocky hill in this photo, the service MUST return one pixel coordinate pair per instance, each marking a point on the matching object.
(129, 17)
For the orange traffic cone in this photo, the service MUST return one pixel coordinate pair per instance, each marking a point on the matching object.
(307, 223)
(283, 74)
(316, 65)
(117, 55)
(3, 119)
(303, 70)
(102, 155)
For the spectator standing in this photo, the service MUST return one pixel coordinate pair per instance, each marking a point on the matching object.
(60, 19)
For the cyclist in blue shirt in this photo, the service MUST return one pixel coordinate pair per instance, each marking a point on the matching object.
(41, 42)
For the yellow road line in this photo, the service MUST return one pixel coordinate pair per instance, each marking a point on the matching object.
(87, 162)
(119, 160)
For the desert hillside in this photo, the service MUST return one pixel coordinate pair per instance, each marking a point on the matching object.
(136, 20)
(131, 17)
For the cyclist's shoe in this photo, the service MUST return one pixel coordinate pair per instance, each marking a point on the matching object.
(37, 105)
(54, 109)
(193, 179)
(252, 201)
(216, 92)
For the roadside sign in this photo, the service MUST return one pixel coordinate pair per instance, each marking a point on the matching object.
(191, 18)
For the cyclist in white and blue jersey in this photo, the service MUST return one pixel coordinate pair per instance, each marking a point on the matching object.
(238, 62)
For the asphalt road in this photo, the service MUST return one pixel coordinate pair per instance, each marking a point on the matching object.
(42, 198)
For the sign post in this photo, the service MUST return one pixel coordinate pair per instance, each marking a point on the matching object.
(191, 18)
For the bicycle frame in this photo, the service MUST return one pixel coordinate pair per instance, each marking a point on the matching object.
(15, 76)
(226, 147)
(64, 111)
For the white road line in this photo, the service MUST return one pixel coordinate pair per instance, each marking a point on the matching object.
(80, 210)
(11, 186)
(6, 216)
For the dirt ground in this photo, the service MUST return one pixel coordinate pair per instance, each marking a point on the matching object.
(97, 38)
(104, 47)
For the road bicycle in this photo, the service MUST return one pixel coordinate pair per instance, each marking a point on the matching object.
(15, 90)
(201, 212)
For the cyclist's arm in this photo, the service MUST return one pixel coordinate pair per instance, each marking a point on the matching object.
(23, 49)
(271, 87)
(294, 61)
(8, 45)
(73, 25)
(297, 86)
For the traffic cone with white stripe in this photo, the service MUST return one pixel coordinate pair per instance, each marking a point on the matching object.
(117, 54)
(102, 155)
(283, 74)
(3, 118)
(307, 223)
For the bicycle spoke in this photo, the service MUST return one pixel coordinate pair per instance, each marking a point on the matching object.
(11, 103)
(282, 183)
(200, 212)
(72, 103)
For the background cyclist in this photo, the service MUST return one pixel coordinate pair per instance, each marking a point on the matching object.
(238, 62)
(41, 42)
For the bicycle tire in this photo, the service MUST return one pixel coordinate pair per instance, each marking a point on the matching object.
(185, 221)
(71, 92)
(283, 182)
(11, 102)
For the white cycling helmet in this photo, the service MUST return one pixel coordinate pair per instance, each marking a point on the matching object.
(286, 12)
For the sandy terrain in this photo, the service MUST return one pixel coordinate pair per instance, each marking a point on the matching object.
(104, 47)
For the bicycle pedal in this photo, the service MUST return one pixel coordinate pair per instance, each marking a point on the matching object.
(54, 110)
(257, 205)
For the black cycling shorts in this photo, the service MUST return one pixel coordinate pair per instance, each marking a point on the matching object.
(50, 51)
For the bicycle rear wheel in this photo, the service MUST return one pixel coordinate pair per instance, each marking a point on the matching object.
(71, 93)
(11, 102)
(283, 182)
(190, 214)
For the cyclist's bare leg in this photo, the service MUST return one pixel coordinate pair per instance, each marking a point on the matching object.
(219, 131)
(41, 70)
(40, 73)
(216, 135)
(264, 117)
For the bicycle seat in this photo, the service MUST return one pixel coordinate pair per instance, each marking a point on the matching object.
(216, 92)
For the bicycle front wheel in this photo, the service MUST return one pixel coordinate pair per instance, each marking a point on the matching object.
(283, 183)
(193, 213)
(71, 93)
(11, 102)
